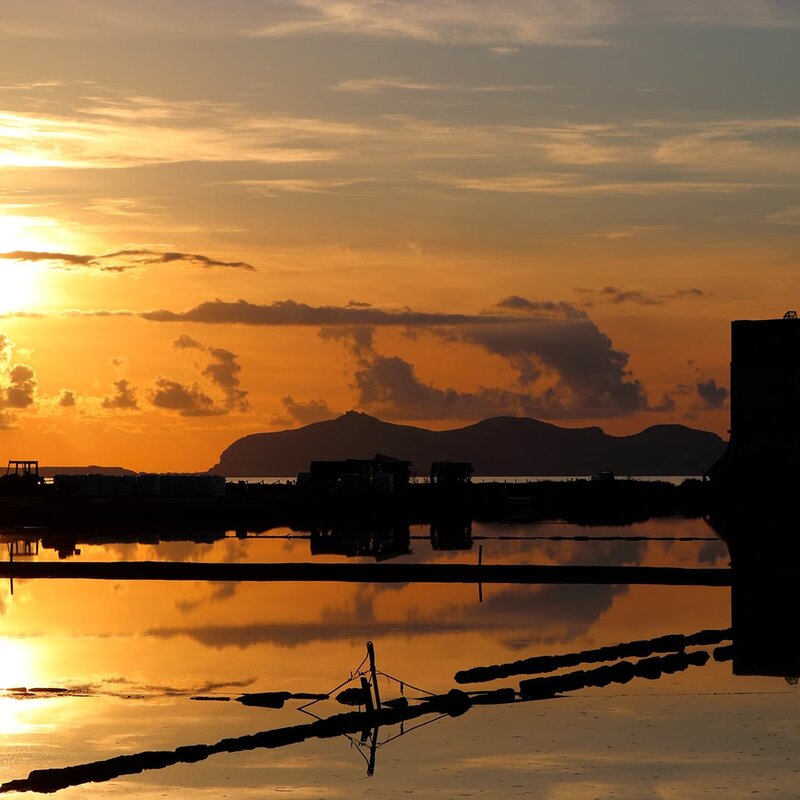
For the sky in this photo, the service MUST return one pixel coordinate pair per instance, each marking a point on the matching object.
(219, 218)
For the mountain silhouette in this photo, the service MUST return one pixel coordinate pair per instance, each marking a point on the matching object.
(495, 446)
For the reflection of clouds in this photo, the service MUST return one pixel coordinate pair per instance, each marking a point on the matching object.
(544, 613)
(221, 592)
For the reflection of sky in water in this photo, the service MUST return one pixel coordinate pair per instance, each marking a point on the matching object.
(139, 651)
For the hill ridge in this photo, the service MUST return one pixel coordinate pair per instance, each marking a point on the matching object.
(495, 446)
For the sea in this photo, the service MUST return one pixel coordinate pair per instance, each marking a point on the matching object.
(94, 671)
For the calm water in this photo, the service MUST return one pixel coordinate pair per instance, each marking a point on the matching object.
(134, 654)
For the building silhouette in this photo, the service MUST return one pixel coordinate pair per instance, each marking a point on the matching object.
(764, 446)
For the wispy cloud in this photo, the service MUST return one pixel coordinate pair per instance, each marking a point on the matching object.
(574, 185)
(505, 22)
(132, 131)
(563, 22)
(617, 296)
(380, 85)
(292, 312)
(122, 260)
(272, 187)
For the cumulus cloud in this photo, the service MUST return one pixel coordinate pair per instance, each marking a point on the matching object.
(566, 368)
(123, 397)
(21, 389)
(188, 401)
(583, 373)
(184, 342)
(121, 260)
(68, 399)
(711, 395)
(222, 374)
(18, 384)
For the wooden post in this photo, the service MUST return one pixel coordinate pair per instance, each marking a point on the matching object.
(370, 708)
(373, 672)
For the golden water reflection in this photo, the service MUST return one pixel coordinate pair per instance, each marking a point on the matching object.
(133, 654)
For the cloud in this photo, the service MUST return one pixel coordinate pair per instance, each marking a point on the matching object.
(566, 368)
(65, 259)
(224, 372)
(583, 373)
(559, 22)
(522, 305)
(572, 22)
(786, 216)
(272, 187)
(117, 131)
(189, 401)
(21, 389)
(302, 412)
(380, 85)
(18, 384)
(613, 294)
(710, 395)
(291, 312)
(122, 260)
(123, 398)
(67, 399)
(184, 342)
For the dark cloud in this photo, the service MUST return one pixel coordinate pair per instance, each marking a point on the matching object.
(67, 399)
(548, 307)
(613, 294)
(290, 312)
(21, 389)
(188, 401)
(66, 259)
(124, 397)
(147, 257)
(184, 342)
(566, 368)
(224, 371)
(303, 412)
(710, 395)
(575, 364)
(191, 400)
(19, 385)
(122, 260)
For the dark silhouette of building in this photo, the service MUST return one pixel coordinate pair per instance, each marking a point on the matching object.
(382, 474)
(764, 444)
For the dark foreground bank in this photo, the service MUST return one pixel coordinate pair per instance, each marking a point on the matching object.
(257, 507)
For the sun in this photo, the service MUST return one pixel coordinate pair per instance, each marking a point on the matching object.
(22, 282)
(19, 288)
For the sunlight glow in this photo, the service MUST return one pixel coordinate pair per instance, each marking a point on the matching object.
(18, 286)
(22, 283)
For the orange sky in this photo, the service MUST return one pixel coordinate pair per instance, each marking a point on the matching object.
(432, 213)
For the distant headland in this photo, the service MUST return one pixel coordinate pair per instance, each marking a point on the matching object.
(509, 446)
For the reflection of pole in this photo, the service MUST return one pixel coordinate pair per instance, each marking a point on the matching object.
(480, 583)
(373, 672)
(373, 747)
(11, 561)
